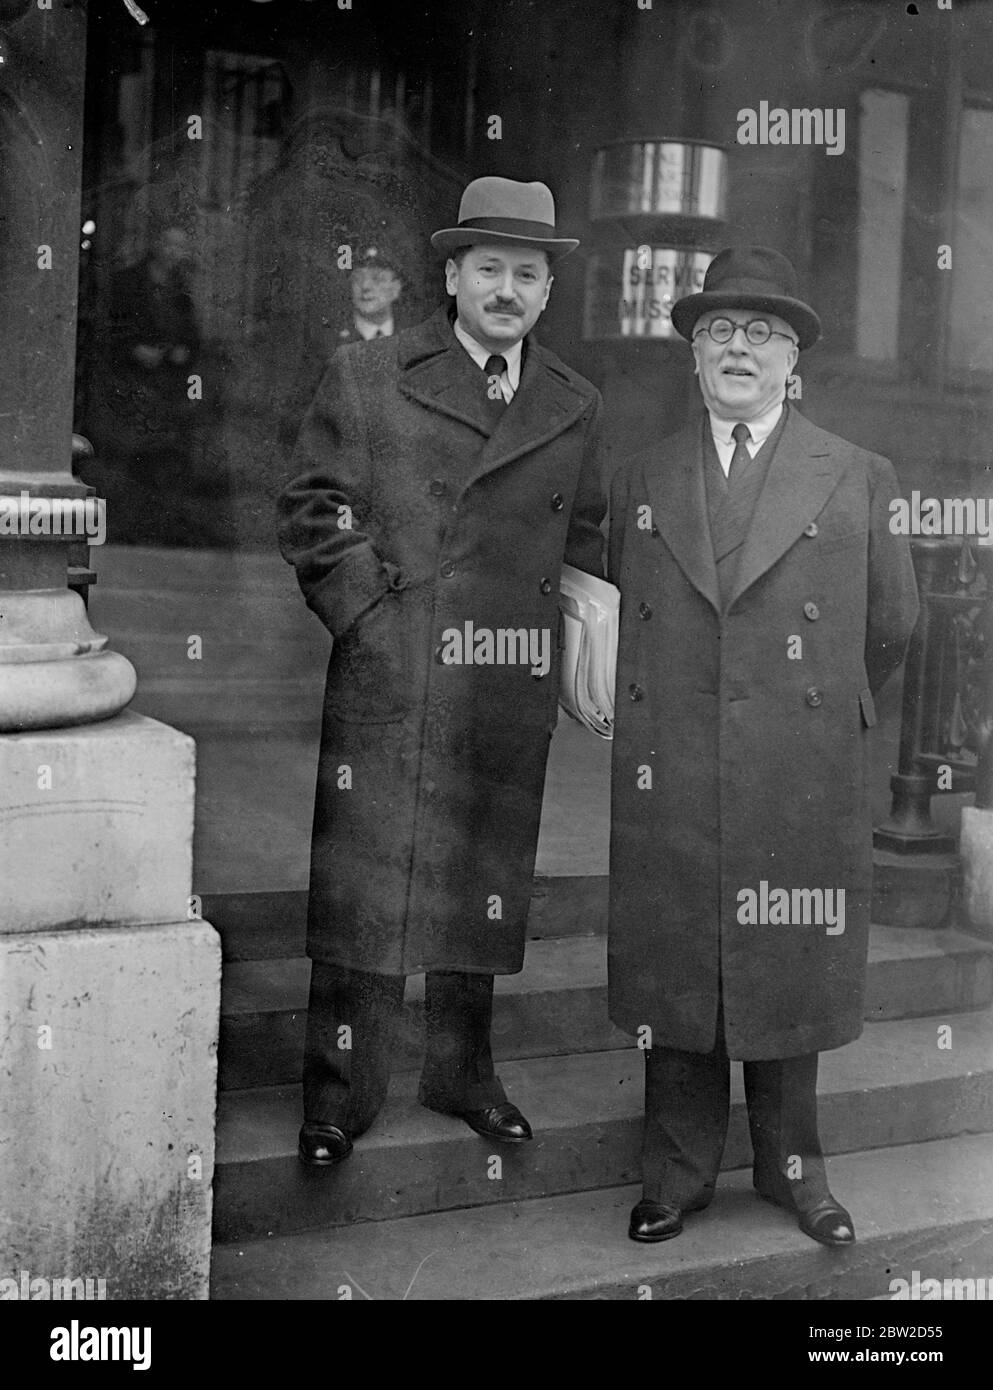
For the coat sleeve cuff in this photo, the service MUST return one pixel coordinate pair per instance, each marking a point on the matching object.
(358, 582)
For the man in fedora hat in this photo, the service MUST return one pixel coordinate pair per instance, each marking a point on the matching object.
(445, 475)
(764, 602)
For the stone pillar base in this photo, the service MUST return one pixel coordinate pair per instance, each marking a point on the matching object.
(110, 1062)
(55, 671)
(96, 825)
(59, 694)
(109, 1004)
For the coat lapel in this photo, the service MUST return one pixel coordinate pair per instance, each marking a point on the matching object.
(679, 509)
(544, 405)
(437, 372)
(803, 472)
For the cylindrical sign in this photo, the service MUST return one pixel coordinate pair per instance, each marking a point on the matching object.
(659, 178)
(630, 292)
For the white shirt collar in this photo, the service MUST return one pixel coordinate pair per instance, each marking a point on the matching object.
(368, 330)
(480, 354)
(760, 429)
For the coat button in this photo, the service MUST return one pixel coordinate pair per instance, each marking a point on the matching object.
(811, 611)
(656, 531)
(813, 696)
(644, 610)
(437, 487)
(447, 569)
(810, 529)
(636, 692)
(558, 501)
(546, 586)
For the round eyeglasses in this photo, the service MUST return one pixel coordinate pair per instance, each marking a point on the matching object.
(757, 331)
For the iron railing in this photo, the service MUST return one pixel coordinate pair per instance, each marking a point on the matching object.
(947, 718)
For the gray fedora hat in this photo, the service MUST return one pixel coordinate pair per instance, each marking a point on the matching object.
(503, 210)
(750, 277)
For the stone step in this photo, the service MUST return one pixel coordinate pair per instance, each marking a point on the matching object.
(272, 620)
(133, 569)
(925, 1207)
(264, 655)
(266, 708)
(896, 1085)
(558, 1003)
(273, 925)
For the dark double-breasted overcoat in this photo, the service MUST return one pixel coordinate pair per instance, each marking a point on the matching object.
(413, 516)
(740, 751)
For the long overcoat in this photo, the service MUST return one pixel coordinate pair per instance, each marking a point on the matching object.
(740, 752)
(412, 517)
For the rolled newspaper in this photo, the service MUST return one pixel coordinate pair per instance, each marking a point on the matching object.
(589, 608)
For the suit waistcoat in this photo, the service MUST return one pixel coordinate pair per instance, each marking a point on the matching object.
(731, 501)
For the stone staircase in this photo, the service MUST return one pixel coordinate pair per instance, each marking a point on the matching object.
(421, 1199)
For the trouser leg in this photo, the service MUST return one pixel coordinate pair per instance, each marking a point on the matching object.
(782, 1117)
(345, 1074)
(458, 1066)
(687, 1097)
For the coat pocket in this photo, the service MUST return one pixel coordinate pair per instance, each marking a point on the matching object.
(369, 678)
(868, 708)
(844, 540)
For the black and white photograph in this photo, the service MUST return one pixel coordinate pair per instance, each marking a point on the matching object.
(496, 660)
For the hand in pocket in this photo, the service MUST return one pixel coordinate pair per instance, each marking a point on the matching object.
(371, 677)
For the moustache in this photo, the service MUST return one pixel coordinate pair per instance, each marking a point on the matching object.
(502, 308)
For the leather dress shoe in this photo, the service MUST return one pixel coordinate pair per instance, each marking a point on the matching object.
(829, 1223)
(505, 1123)
(651, 1221)
(323, 1145)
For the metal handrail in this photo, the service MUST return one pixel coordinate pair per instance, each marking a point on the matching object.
(947, 715)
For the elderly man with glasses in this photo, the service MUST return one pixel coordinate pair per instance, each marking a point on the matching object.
(764, 602)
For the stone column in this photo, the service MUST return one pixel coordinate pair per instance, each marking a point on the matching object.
(109, 982)
(54, 669)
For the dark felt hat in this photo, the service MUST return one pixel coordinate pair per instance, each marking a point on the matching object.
(378, 258)
(750, 277)
(503, 210)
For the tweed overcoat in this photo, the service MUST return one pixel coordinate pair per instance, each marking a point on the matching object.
(412, 517)
(740, 752)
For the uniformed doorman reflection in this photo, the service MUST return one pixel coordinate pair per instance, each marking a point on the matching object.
(146, 409)
(376, 284)
(154, 340)
(156, 396)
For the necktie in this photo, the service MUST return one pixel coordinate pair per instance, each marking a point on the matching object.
(494, 370)
(741, 457)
